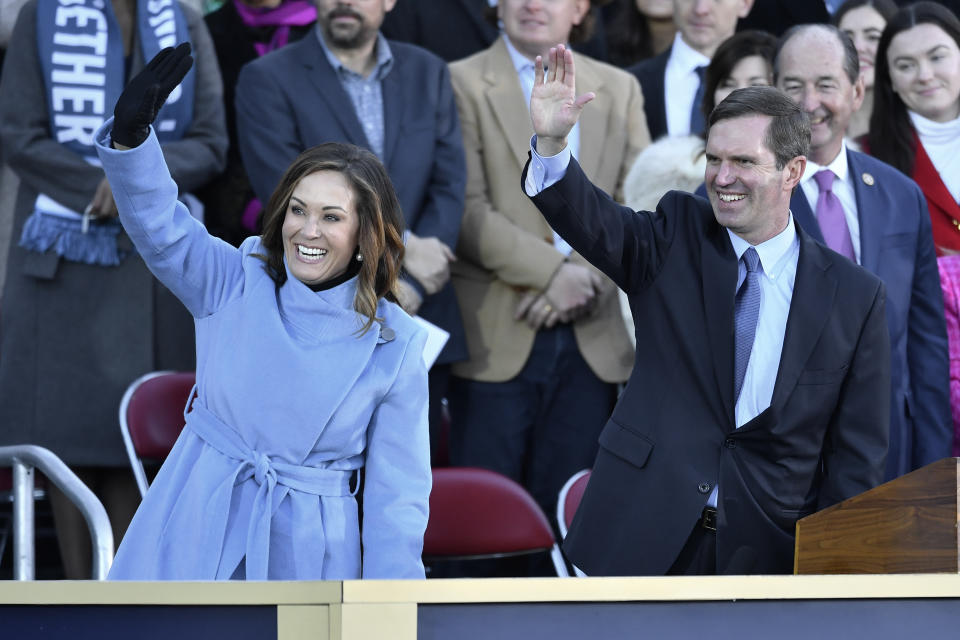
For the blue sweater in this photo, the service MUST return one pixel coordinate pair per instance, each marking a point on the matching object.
(291, 401)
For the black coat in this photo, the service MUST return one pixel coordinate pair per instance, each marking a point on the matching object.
(672, 436)
(650, 73)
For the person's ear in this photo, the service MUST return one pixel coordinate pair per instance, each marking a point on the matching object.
(582, 7)
(793, 172)
(859, 91)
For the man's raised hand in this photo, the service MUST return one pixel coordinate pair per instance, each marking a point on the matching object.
(554, 103)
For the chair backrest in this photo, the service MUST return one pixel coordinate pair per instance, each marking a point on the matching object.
(569, 499)
(476, 513)
(151, 417)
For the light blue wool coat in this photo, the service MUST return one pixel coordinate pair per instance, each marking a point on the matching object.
(290, 401)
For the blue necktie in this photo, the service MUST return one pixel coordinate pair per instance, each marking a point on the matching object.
(746, 311)
(697, 124)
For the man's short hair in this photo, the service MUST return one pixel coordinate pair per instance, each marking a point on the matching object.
(787, 135)
(851, 60)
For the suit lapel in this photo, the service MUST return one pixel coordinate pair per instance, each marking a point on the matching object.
(868, 204)
(506, 100)
(594, 121)
(813, 299)
(927, 177)
(330, 91)
(805, 217)
(394, 92)
(656, 108)
(719, 273)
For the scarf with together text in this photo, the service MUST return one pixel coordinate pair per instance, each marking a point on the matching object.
(81, 55)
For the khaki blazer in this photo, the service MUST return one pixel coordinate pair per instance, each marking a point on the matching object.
(506, 246)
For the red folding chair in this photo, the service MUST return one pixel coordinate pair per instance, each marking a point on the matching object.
(476, 513)
(569, 499)
(151, 418)
(570, 495)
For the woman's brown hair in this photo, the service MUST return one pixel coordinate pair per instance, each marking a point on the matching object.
(381, 221)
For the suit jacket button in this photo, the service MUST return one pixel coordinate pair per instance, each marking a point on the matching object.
(730, 443)
(703, 487)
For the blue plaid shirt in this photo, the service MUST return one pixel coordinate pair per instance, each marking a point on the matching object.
(365, 92)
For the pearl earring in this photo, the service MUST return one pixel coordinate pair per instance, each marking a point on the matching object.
(359, 257)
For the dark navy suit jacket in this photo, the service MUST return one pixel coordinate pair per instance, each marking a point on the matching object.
(673, 435)
(650, 73)
(291, 99)
(896, 244)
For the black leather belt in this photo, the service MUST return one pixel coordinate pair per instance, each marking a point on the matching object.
(708, 519)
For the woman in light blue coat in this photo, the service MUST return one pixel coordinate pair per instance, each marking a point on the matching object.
(307, 372)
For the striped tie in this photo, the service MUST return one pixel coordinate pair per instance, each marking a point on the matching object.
(746, 311)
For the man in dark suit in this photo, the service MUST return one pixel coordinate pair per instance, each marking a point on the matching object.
(884, 226)
(346, 83)
(754, 399)
(455, 29)
(673, 82)
(776, 16)
(452, 29)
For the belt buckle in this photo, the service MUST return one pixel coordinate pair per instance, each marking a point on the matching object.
(709, 519)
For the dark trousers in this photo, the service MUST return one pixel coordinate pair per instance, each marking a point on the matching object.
(699, 555)
(539, 428)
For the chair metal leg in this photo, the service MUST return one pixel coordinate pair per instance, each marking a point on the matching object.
(23, 551)
(558, 562)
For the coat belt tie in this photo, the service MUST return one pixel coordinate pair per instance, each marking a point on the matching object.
(267, 474)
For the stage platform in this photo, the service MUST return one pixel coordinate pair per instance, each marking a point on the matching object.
(901, 607)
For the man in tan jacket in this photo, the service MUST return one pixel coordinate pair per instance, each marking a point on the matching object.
(547, 343)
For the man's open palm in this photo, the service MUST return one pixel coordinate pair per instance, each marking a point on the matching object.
(554, 104)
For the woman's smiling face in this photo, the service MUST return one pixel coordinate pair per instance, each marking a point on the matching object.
(321, 228)
(925, 71)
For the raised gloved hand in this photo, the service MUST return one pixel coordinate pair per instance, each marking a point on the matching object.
(145, 94)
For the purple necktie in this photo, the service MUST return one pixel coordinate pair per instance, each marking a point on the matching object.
(833, 224)
(746, 313)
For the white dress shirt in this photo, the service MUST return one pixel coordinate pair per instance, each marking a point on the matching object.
(842, 188)
(778, 267)
(680, 84)
(525, 72)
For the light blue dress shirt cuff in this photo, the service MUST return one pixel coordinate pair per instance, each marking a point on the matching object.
(545, 172)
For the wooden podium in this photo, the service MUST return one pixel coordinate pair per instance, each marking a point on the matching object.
(907, 525)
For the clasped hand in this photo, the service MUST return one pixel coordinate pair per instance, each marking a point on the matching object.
(571, 294)
(428, 261)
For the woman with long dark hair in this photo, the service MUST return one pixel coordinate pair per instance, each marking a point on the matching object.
(915, 124)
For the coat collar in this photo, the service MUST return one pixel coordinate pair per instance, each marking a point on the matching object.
(928, 178)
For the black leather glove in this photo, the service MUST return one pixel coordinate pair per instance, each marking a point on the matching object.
(143, 96)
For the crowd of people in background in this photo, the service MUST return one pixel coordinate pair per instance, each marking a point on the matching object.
(540, 341)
